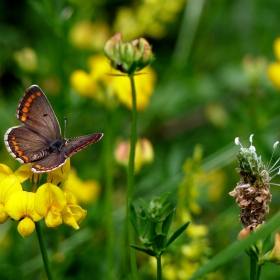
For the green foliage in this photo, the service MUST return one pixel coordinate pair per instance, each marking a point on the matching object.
(153, 226)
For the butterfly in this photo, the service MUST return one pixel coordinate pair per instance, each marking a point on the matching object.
(38, 140)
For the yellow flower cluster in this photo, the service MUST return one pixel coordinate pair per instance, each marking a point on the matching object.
(147, 18)
(106, 85)
(273, 70)
(48, 201)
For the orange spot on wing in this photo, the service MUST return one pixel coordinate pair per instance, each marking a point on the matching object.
(25, 110)
(27, 104)
(29, 99)
(38, 93)
(33, 96)
(23, 117)
(25, 158)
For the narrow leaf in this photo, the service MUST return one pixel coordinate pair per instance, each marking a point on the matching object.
(133, 217)
(177, 233)
(237, 247)
(167, 222)
(266, 243)
(145, 205)
(163, 198)
(145, 250)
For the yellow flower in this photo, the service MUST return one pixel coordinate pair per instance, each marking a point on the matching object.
(73, 214)
(144, 83)
(144, 153)
(8, 186)
(85, 192)
(88, 35)
(49, 203)
(273, 70)
(20, 206)
(102, 76)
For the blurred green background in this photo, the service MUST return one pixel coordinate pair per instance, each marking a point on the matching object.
(211, 61)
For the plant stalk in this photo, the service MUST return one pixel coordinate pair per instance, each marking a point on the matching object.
(159, 269)
(43, 250)
(130, 179)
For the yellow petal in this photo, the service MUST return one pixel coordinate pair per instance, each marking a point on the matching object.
(53, 218)
(21, 204)
(5, 171)
(78, 212)
(69, 220)
(273, 73)
(7, 187)
(24, 172)
(3, 214)
(26, 227)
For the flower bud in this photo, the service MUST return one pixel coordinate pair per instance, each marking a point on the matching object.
(274, 255)
(144, 153)
(128, 57)
(245, 232)
(26, 227)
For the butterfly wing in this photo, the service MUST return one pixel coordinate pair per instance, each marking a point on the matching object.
(35, 111)
(80, 143)
(50, 163)
(25, 145)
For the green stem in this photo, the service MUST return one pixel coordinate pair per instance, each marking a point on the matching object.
(43, 250)
(159, 270)
(253, 268)
(130, 179)
(259, 272)
(108, 153)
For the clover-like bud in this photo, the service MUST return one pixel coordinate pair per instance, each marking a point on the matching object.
(128, 57)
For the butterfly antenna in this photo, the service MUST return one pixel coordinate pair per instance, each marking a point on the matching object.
(65, 121)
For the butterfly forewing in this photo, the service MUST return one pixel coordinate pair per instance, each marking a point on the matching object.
(79, 143)
(35, 111)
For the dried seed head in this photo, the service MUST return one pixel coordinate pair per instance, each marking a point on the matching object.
(252, 193)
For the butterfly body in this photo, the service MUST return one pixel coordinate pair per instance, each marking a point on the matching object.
(38, 140)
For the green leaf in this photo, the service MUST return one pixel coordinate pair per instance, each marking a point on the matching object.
(145, 205)
(167, 222)
(159, 241)
(163, 198)
(149, 252)
(266, 243)
(237, 247)
(177, 233)
(164, 208)
(133, 217)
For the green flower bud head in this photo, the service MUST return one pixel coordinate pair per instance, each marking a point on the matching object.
(128, 57)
